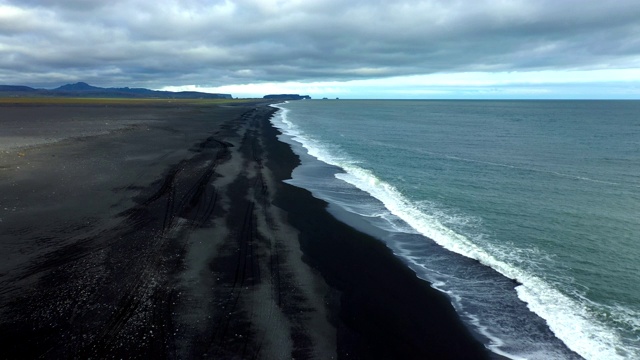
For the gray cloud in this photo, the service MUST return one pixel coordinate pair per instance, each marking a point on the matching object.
(216, 42)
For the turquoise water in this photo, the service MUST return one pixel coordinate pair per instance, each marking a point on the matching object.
(546, 193)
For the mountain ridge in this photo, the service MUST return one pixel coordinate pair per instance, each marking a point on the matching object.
(82, 89)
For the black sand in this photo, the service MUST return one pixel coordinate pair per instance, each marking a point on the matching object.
(167, 233)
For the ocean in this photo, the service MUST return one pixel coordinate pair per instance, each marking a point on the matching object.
(525, 213)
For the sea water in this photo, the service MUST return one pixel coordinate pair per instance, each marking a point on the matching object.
(525, 213)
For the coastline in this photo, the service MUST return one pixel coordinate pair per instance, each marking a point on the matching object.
(385, 310)
(193, 247)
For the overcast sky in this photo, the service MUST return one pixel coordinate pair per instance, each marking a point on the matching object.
(333, 48)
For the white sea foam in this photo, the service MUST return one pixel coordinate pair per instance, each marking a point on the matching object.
(569, 319)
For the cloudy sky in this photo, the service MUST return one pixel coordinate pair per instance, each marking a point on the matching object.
(333, 48)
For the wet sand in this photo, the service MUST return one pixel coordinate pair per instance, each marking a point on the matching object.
(166, 232)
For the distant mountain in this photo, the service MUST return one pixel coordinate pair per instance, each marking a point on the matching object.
(79, 86)
(17, 88)
(286, 97)
(82, 89)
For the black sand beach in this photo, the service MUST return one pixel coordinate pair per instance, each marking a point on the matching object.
(164, 230)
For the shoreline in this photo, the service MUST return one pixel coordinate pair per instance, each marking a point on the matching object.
(179, 239)
(377, 190)
(386, 310)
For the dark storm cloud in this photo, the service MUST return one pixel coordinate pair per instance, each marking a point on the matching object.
(210, 43)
